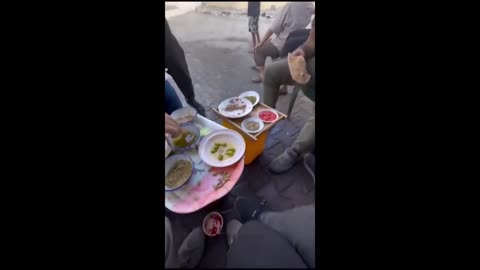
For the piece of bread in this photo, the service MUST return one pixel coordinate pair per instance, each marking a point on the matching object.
(298, 69)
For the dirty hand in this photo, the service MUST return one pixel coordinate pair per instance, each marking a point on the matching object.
(171, 127)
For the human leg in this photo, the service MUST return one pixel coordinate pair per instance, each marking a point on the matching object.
(309, 162)
(177, 66)
(260, 56)
(276, 74)
(254, 42)
(190, 252)
(252, 28)
(309, 88)
(297, 225)
(172, 102)
(168, 242)
(258, 246)
(304, 143)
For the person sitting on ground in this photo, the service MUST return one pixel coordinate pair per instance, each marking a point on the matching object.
(258, 239)
(177, 67)
(293, 16)
(277, 74)
(253, 16)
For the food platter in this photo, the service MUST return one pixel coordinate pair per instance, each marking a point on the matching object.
(237, 123)
(206, 184)
(235, 107)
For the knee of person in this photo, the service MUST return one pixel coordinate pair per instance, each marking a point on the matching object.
(269, 72)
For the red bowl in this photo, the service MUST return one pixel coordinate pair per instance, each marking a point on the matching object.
(212, 224)
(267, 110)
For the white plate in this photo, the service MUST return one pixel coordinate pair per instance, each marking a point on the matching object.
(256, 119)
(227, 136)
(237, 113)
(251, 93)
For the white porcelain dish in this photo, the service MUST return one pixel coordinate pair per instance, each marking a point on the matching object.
(251, 93)
(236, 113)
(255, 119)
(231, 138)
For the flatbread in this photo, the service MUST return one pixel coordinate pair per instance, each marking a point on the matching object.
(298, 69)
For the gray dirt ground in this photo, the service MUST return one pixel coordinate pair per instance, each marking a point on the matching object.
(216, 49)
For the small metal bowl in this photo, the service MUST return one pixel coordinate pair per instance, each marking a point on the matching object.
(184, 116)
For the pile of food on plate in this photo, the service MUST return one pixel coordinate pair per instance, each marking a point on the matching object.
(235, 104)
(267, 116)
(223, 150)
(252, 99)
(178, 174)
(185, 139)
(252, 125)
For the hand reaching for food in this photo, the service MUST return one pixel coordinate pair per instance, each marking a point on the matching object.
(172, 128)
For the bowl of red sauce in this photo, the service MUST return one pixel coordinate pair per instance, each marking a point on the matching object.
(268, 116)
(212, 224)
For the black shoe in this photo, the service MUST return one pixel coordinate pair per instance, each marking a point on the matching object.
(197, 106)
(248, 208)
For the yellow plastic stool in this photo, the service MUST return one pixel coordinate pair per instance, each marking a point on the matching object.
(253, 148)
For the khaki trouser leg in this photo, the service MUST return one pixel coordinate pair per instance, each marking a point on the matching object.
(276, 74)
(305, 141)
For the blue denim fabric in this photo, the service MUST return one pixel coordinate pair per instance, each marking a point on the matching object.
(172, 102)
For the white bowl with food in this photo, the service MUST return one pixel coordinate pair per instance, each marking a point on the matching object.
(252, 125)
(184, 116)
(267, 115)
(178, 170)
(252, 96)
(222, 148)
(235, 107)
